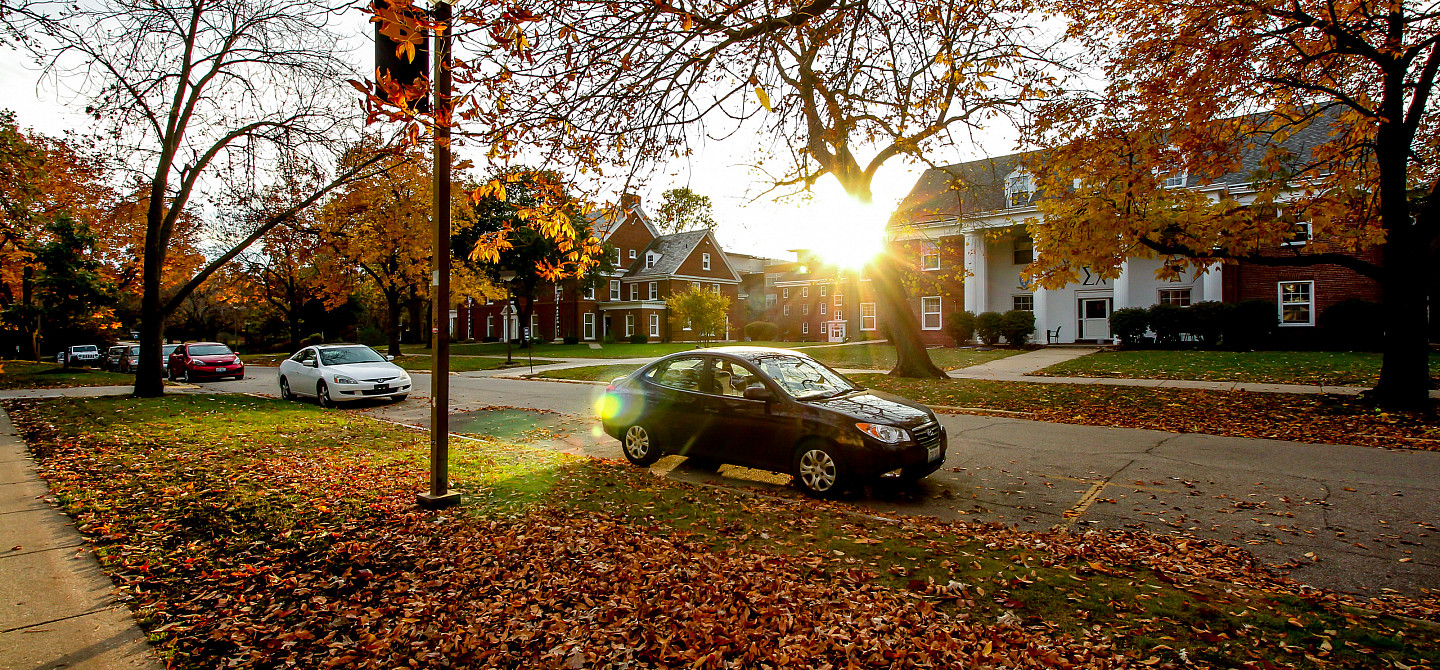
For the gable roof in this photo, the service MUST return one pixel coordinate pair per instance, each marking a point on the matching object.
(978, 187)
(607, 221)
(673, 250)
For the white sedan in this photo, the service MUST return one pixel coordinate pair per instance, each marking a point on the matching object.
(334, 373)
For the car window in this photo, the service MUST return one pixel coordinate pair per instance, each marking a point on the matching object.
(169, 349)
(135, 350)
(680, 373)
(209, 350)
(729, 378)
(803, 378)
(86, 348)
(347, 355)
(304, 355)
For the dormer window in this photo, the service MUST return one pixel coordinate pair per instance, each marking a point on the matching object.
(1177, 180)
(650, 258)
(1019, 188)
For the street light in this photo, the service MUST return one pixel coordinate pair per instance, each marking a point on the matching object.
(507, 276)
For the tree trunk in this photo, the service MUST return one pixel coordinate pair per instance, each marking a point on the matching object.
(911, 358)
(150, 376)
(1405, 359)
(392, 321)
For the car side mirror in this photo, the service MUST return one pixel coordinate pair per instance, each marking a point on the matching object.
(758, 392)
(308, 364)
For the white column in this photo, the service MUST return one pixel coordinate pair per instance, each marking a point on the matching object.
(1042, 313)
(976, 276)
(1121, 298)
(1212, 283)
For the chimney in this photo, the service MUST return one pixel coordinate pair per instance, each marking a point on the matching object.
(629, 200)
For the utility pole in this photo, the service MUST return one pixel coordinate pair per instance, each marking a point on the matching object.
(440, 495)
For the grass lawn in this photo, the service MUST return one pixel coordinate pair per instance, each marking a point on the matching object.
(29, 374)
(882, 356)
(583, 350)
(419, 363)
(1327, 419)
(247, 531)
(592, 373)
(1328, 368)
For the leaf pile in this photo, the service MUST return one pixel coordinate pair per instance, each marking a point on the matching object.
(306, 550)
(1320, 419)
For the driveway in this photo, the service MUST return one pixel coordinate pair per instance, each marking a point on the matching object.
(1356, 519)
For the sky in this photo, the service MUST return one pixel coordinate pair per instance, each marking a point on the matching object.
(828, 220)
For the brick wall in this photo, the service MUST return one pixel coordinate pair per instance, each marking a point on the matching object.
(1333, 283)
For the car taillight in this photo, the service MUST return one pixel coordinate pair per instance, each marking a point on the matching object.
(609, 388)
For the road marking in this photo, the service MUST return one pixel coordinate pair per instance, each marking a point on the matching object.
(1097, 487)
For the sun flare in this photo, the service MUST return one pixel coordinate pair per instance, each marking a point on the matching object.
(849, 233)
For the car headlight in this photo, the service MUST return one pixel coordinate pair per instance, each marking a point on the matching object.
(884, 433)
(341, 379)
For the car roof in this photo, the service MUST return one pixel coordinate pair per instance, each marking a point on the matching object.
(191, 344)
(746, 353)
(339, 345)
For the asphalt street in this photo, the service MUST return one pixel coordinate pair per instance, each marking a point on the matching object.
(1355, 519)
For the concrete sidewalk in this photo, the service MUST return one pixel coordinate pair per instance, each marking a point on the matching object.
(58, 609)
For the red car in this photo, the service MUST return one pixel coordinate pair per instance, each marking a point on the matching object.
(204, 359)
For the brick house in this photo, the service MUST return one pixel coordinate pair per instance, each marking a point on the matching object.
(811, 301)
(964, 224)
(628, 301)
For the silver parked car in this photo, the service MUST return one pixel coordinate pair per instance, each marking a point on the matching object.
(333, 373)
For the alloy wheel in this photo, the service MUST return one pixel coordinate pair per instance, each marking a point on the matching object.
(818, 471)
(637, 443)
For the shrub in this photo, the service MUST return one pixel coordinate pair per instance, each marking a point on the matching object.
(1251, 324)
(1353, 324)
(572, 339)
(1206, 321)
(490, 338)
(1168, 322)
(1129, 324)
(314, 339)
(1017, 325)
(989, 326)
(762, 331)
(961, 326)
(639, 339)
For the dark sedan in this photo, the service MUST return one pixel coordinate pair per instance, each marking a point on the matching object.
(772, 409)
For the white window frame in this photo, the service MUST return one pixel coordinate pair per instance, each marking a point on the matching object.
(1309, 303)
(715, 288)
(654, 291)
(1177, 180)
(823, 290)
(805, 328)
(629, 325)
(805, 309)
(589, 325)
(870, 317)
(635, 291)
(1299, 239)
(650, 258)
(929, 256)
(785, 293)
(489, 325)
(705, 261)
(1019, 183)
(804, 291)
(822, 307)
(839, 300)
(632, 254)
(615, 289)
(1186, 291)
(590, 293)
(617, 257)
(534, 324)
(925, 313)
(770, 279)
(654, 325)
(785, 311)
(769, 300)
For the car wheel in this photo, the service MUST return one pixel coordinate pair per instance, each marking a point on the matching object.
(185, 375)
(819, 471)
(640, 445)
(322, 394)
(285, 393)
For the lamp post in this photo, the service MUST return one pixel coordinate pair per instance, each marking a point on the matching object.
(440, 495)
(507, 276)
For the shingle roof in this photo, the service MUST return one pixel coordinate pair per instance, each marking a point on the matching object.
(977, 187)
(673, 250)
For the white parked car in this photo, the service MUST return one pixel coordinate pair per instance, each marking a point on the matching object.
(334, 373)
(79, 354)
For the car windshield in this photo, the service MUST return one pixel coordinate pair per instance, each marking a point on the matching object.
(135, 350)
(85, 348)
(209, 350)
(350, 355)
(803, 378)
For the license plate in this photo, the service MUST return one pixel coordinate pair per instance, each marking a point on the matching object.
(382, 387)
(933, 452)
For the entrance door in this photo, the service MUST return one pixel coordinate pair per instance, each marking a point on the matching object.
(1094, 319)
(837, 331)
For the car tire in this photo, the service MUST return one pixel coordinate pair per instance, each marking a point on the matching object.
(322, 395)
(639, 444)
(285, 392)
(398, 398)
(185, 375)
(819, 470)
